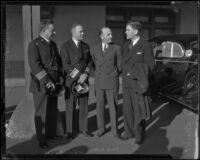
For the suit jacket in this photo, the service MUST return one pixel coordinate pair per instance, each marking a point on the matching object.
(107, 66)
(44, 62)
(137, 61)
(74, 57)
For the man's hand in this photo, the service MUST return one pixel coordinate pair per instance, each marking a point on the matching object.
(50, 85)
(82, 78)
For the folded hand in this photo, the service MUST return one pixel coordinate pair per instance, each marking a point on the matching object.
(50, 85)
(82, 78)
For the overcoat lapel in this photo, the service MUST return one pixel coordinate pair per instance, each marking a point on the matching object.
(74, 48)
(132, 51)
(100, 55)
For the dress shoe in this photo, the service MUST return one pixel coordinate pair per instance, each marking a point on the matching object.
(55, 137)
(139, 142)
(58, 137)
(126, 137)
(99, 134)
(87, 134)
(70, 136)
(44, 145)
(116, 136)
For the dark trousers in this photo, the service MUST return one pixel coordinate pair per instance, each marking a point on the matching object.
(71, 101)
(111, 95)
(134, 114)
(45, 115)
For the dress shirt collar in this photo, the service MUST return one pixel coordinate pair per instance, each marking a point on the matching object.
(45, 39)
(103, 46)
(75, 41)
(135, 40)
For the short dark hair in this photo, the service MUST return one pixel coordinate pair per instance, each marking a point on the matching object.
(44, 23)
(74, 25)
(101, 30)
(135, 25)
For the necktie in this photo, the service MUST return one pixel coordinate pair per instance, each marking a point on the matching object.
(130, 46)
(105, 48)
(78, 44)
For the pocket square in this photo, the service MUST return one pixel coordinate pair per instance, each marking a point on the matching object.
(139, 53)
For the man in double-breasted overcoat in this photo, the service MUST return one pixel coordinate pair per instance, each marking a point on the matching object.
(137, 61)
(76, 59)
(107, 60)
(46, 72)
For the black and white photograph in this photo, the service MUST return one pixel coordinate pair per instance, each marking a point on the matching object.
(100, 79)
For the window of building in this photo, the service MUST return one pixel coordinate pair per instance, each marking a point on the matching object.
(155, 21)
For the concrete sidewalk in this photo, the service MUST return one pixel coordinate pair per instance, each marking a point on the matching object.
(171, 131)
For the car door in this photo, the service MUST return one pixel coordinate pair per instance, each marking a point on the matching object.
(171, 66)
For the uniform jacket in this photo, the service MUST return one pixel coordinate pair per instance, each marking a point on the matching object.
(44, 62)
(73, 57)
(137, 61)
(107, 66)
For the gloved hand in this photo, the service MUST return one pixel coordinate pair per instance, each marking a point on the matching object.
(50, 85)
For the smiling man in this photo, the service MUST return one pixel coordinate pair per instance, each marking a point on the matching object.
(107, 61)
(76, 60)
(45, 66)
(137, 61)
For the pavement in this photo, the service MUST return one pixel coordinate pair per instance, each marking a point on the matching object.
(171, 131)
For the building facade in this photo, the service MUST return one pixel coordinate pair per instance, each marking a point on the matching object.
(157, 19)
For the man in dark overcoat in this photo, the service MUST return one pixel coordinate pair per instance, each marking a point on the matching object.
(107, 60)
(45, 71)
(137, 62)
(76, 61)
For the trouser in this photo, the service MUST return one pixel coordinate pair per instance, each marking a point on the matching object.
(134, 114)
(71, 101)
(111, 95)
(45, 116)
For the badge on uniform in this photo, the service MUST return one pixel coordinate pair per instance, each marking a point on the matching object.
(74, 73)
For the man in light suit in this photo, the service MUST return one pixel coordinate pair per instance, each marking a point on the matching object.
(137, 61)
(107, 61)
(76, 58)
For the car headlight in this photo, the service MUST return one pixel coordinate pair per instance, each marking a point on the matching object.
(188, 53)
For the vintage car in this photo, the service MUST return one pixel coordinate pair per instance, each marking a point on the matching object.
(176, 68)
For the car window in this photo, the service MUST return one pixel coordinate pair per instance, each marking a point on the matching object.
(177, 50)
(169, 50)
(166, 49)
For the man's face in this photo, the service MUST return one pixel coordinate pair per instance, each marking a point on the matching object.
(49, 31)
(130, 32)
(78, 33)
(106, 35)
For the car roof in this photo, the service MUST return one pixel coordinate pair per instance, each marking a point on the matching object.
(183, 38)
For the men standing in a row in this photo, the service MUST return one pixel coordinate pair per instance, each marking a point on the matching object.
(137, 60)
(76, 61)
(45, 70)
(107, 60)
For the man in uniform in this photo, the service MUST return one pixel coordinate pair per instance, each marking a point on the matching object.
(107, 60)
(137, 61)
(76, 61)
(45, 71)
